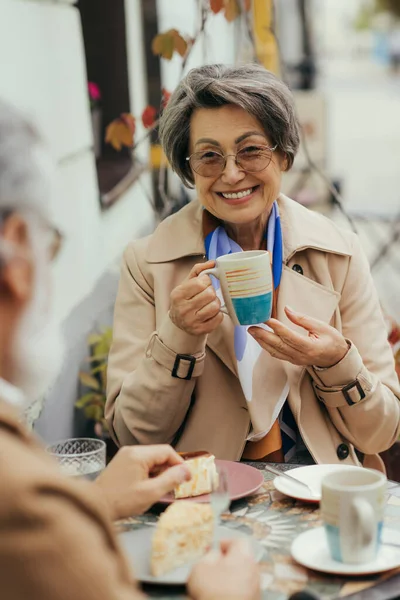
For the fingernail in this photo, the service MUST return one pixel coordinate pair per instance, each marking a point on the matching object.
(290, 309)
(184, 474)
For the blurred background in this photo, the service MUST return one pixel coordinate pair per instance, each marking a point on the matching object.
(94, 75)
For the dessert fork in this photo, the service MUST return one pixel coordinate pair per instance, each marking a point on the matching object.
(293, 480)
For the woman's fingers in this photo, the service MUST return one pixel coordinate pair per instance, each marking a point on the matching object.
(191, 288)
(200, 267)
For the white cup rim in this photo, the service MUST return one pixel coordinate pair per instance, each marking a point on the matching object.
(243, 256)
(329, 481)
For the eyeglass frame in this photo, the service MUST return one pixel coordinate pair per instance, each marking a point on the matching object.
(58, 237)
(225, 156)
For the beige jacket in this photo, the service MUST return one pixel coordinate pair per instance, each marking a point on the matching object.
(325, 275)
(55, 539)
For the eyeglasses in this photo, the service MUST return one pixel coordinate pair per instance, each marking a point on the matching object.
(54, 237)
(251, 159)
(54, 242)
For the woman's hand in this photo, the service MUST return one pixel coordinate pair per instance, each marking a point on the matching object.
(138, 476)
(195, 307)
(231, 574)
(324, 346)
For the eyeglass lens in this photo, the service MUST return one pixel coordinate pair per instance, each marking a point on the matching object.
(211, 164)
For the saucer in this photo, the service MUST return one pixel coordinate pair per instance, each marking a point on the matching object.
(310, 549)
(312, 475)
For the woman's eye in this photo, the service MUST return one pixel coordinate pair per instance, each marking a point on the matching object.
(252, 150)
(209, 156)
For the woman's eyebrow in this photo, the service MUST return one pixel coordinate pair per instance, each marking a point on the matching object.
(248, 134)
(237, 141)
(207, 141)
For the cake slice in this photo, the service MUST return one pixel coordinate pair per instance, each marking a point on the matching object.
(184, 533)
(203, 470)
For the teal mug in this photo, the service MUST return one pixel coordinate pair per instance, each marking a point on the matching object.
(352, 507)
(246, 285)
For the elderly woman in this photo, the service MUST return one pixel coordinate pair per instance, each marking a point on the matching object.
(323, 386)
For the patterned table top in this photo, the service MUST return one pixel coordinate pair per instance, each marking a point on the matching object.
(275, 520)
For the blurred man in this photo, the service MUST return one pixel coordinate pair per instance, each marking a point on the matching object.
(56, 534)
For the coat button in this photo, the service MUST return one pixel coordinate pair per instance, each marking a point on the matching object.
(342, 451)
(298, 269)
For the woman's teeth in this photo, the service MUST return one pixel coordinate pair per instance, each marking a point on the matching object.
(238, 195)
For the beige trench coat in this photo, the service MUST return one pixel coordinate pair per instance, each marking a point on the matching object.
(56, 539)
(352, 405)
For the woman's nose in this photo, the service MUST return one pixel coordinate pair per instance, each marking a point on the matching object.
(232, 172)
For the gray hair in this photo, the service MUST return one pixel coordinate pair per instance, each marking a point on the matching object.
(25, 166)
(251, 87)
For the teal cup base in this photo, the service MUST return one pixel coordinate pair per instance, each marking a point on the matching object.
(251, 310)
(333, 538)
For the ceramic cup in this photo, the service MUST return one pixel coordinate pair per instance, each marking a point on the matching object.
(352, 506)
(246, 285)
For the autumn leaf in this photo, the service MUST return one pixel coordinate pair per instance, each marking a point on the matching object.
(149, 116)
(232, 10)
(180, 43)
(165, 44)
(216, 5)
(89, 381)
(165, 97)
(121, 131)
(89, 398)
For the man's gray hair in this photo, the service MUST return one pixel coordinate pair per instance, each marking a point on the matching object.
(25, 166)
(251, 87)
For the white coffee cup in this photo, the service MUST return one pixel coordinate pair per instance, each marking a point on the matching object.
(246, 285)
(352, 507)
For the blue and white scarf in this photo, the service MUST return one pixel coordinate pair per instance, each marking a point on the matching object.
(247, 350)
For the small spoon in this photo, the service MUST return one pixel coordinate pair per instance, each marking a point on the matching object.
(293, 480)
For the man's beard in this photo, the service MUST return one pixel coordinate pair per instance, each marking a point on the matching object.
(38, 349)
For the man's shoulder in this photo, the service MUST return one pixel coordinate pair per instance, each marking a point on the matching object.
(26, 468)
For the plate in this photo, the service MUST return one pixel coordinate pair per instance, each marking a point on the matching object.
(137, 545)
(310, 549)
(312, 476)
(243, 481)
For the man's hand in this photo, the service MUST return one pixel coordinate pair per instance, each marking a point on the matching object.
(138, 476)
(231, 574)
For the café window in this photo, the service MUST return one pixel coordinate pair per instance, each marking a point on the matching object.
(104, 34)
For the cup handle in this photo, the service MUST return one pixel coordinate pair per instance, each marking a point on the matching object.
(365, 519)
(215, 272)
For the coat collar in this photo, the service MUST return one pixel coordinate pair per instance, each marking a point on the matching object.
(181, 234)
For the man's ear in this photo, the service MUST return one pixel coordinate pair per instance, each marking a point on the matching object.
(17, 271)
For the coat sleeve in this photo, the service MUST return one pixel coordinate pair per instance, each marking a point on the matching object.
(361, 392)
(145, 403)
(55, 542)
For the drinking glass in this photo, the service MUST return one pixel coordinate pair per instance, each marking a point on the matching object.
(220, 499)
(80, 457)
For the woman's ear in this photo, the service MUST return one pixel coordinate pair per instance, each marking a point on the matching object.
(285, 163)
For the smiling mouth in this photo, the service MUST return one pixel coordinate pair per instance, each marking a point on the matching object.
(238, 195)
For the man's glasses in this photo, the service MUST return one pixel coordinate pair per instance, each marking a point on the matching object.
(54, 242)
(251, 159)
